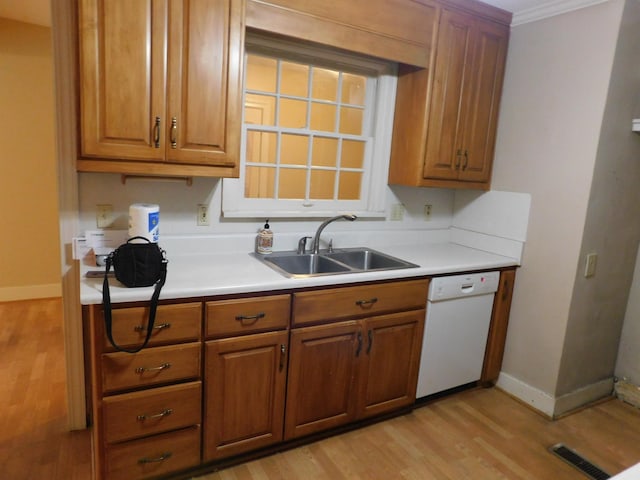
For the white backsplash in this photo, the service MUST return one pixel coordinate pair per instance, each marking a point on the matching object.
(494, 214)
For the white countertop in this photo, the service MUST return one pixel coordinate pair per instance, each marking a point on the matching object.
(208, 274)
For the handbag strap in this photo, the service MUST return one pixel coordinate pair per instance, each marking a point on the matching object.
(106, 300)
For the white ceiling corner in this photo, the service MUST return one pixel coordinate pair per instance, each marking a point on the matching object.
(550, 9)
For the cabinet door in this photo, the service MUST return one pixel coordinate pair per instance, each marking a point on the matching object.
(323, 374)
(485, 88)
(122, 65)
(204, 86)
(444, 149)
(390, 362)
(245, 390)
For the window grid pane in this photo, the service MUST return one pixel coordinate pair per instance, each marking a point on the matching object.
(315, 126)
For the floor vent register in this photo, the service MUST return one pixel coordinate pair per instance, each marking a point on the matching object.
(579, 462)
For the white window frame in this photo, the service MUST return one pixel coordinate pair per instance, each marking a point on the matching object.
(376, 165)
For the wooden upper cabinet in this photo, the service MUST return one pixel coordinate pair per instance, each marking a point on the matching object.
(397, 30)
(446, 117)
(161, 86)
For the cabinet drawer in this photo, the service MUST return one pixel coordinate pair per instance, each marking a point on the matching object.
(247, 315)
(153, 456)
(151, 366)
(366, 300)
(138, 414)
(174, 323)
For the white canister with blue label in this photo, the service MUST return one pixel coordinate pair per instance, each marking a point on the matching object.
(144, 221)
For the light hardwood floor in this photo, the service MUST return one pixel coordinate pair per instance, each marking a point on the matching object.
(477, 434)
(34, 441)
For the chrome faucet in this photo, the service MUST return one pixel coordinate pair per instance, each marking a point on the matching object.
(316, 237)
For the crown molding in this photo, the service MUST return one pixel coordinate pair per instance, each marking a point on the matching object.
(550, 9)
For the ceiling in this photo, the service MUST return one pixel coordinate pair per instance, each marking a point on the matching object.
(38, 11)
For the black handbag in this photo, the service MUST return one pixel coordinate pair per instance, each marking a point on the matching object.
(135, 265)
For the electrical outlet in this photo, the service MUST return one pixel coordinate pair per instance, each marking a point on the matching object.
(590, 265)
(203, 215)
(397, 212)
(427, 211)
(104, 215)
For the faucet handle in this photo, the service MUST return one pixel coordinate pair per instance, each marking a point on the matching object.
(330, 246)
(302, 245)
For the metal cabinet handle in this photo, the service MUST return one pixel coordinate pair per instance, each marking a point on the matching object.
(283, 353)
(250, 319)
(164, 413)
(142, 328)
(161, 458)
(153, 369)
(156, 133)
(172, 135)
(466, 160)
(370, 335)
(359, 344)
(364, 303)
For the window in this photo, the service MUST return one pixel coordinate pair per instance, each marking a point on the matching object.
(316, 133)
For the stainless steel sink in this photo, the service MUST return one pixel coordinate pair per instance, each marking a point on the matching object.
(339, 261)
(367, 259)
(304, 264)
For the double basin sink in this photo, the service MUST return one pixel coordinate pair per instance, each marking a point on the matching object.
(344, 260)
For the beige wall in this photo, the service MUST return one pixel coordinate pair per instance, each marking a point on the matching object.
(29, 252)
(612, 226)
(556, 83)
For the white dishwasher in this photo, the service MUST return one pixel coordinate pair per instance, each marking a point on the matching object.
(455, 333)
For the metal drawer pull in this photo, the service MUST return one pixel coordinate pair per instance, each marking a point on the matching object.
(142, 328)
(244, 319)
(156, 133)
(172, 134)
(161, 458)
(153, 369)
(164, 413)
(363, 303)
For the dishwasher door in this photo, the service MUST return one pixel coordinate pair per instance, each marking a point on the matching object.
(455, 335)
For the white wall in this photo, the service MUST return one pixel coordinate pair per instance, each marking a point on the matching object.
(553, 101)
(612, 227)
(628, 364)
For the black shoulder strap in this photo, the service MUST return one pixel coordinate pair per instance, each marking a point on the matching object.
(106, 301)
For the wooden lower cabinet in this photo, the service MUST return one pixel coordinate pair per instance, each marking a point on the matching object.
(323, 377)
(245, 381)
(263, 382)
(351, 370)
(391, 362)
(152, 456)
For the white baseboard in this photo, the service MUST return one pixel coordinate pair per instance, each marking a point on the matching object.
(538, 399)
(29, 292)
(548, 404)
(583, 396)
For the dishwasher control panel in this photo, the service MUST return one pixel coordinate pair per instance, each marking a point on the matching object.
(456, 286)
